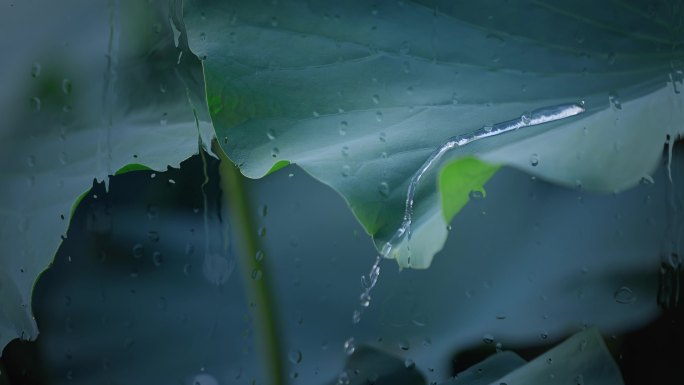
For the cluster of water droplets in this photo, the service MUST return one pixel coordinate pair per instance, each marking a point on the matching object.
(536, 117)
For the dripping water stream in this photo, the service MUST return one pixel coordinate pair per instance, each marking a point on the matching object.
(534, 118)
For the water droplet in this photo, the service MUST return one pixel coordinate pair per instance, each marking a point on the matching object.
(488, 128)
(164, 119)
(257, 274)
(274, 22)
(499, 347)
(579, 380)
(259, 256)
(614, 101)
(408, 363)
(346, 170)
(549, 361)
(364, 299)
(270, 134)
(262, 231)
(31, 161)
(476, 194)
(404, 345)
(275, 152)
(378, 116)
(624, 295)
(263, 210)
(356, 317)
(295, 356)
(343, 378)
(35, 70)
(187, 269)
(544, 335)
(66, 86)
(138, 251)
(382, 137)
(349, 346)
(376, 99)
(35, 104)
(488, 339)
(647, 179)
(383, 155)
(383, 189)
(153, 236)
(345, 151)
(203, 36)
(343, 128)
(534, 160)
(157, 258)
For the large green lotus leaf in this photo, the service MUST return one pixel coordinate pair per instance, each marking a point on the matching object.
(359, 94)
(80, 103)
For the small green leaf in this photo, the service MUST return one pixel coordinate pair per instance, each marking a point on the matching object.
(458, 179)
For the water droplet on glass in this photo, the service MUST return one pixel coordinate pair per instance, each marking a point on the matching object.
(383, 189)
(270, 134)
(257, 274)
(343, 128)
(488, 128)
(345, 151)
(275, 152)
(624, 295)
(259, 256)
(157, 258)
(153, 236)
(346, 170)
(295, 356)
(382, 137)
(35, 70)
(31, 161)
(378, 116)
(544, 335)
(35, 104)
(404, 345)
(203, 36)
(408, 363)
(262, 231)
(376, 99)
(488, 339)
(534, 160)
(476, 194)
(274, 22)
(614, 101)
(349, 346)
(164, 119)
(66, 86)
(138, 251)
(263, 210)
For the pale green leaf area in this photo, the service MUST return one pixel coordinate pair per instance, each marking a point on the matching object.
(360, 94)
(581, 359)
(81, 102)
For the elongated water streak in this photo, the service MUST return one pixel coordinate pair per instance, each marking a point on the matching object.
(536, 117)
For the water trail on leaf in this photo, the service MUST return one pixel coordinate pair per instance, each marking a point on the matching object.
(536, 117)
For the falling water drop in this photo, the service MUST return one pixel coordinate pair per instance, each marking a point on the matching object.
(349, 346)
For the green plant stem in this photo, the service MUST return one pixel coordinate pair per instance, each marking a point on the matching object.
(259, 293)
